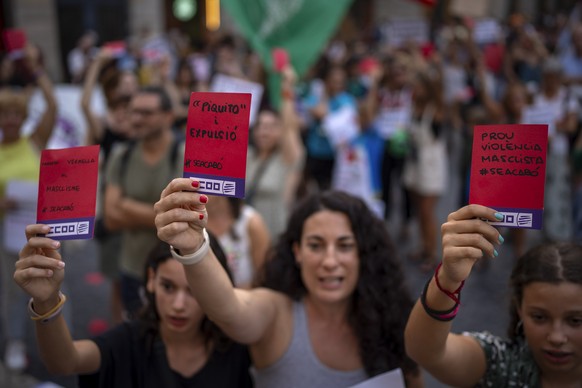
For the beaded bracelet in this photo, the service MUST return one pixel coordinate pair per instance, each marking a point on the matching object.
(195, 257)
(49, 315)
(439, 315)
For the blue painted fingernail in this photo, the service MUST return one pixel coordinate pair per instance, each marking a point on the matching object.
(499, 216)
(501, 239)
(495, 253)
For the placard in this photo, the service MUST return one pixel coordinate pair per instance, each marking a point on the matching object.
(227, 84)
(474, 8)
(391, 379)
(67, 192)
(341, 126)
(487, 31)
(217, 142)
(398, 32)
(70, 129)
(508, 171)
(14, 39)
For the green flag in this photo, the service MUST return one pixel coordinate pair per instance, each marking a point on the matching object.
(302, 27)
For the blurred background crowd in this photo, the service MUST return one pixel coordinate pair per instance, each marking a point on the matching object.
(377, 98)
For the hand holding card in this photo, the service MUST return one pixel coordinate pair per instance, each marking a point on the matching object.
(217, 141)
(67, 192)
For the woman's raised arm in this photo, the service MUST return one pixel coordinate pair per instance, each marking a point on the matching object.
(181, 216)
(453, 359)
(40, 272)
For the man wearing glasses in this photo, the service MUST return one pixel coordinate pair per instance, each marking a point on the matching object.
(135, 176)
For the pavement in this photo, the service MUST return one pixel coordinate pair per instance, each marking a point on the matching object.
(484, 306)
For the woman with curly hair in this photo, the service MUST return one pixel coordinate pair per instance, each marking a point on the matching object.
(333, 307)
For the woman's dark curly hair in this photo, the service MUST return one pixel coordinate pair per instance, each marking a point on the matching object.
(149, 317)
(381, 302)
(549, 263)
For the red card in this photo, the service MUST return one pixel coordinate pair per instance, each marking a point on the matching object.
(67, 192)
(217, 141)
(427, 49)
(14, 39)
(15, 42)
(429, 3)
(280, 58)
(508, 172)
(117, 47)
(368, 65)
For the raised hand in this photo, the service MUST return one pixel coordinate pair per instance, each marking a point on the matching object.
(289, 75)
(104, 55)
(32, 57)
(39, 269)
(181, 215)
(467, 237)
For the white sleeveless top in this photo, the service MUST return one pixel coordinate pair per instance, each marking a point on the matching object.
(237, 248)
(425, 171)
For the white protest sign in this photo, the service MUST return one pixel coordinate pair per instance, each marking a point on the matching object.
(154, 49)
(227, 84)
(472, 8)
(341, 126)
(351, 173)
(398, 32)
(391, 120)
(392, 379)
(486, 31)
(70, 127)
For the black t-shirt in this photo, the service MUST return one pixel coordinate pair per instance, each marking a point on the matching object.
(127, 362)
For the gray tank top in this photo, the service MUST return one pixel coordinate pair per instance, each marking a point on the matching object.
(300, 367)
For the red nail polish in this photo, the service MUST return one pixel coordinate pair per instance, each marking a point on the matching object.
(203, 199)
(195, 184)
(201, 216)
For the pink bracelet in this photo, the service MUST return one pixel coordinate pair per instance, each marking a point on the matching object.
(455, 295)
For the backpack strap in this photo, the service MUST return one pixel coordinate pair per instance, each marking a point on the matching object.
(174, 152)
(125, 160)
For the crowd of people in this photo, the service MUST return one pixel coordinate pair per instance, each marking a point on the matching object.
(299, 284)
